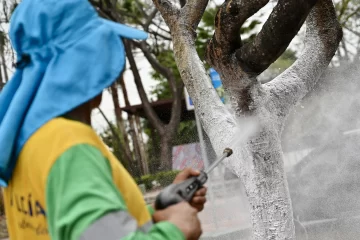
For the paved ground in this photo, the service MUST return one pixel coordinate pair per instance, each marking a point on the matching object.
(225, 210)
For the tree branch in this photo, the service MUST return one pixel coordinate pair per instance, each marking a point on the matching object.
(103, 12)
(150, 19)
(176, 108)
(323, 35)
(166, 72)
(215, 117)
(352, 31)
(151, 114)
(127, 158)
(176, 88)
(193, 12)
(158, 25)
(281, 27)
(156, 34)
(140, 7)
(168, 10)
(228, 21)
(356, 11)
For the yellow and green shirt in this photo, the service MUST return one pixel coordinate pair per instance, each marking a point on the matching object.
(67, 185)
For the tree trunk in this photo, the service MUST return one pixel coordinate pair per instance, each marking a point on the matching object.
(144, 160)
(128, 165)
(266, 187)
(166, 131)
(136, 135)
(120, 122)
(2, 83)
(257, 154)
(135, 141)
(6, 77)
(165, 152)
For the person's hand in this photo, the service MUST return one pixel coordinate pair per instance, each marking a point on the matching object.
(184, 217)
(199, 199)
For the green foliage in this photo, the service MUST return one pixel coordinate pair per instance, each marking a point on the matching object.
(186, 133)
(209, 17)
(133, 7)
(165, 57)
(152, 146)
(280, 65)
(283, 62)
(289, 55)
(348, 11)
(163, 178)
(250, 27)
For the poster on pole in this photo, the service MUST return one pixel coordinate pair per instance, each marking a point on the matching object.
(216, 81)
(187, 155)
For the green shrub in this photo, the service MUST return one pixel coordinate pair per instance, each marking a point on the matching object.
(163, 178)
(147, 181)
(166, 178)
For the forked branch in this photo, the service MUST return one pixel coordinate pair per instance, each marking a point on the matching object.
(323, 35)
(228, 21)
(213, 114)
(189, 15)
(168, 11)
(278, 31)
(193, 12)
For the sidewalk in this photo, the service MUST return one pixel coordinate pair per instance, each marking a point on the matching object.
(228, 210)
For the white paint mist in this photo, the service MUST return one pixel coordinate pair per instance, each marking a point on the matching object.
(325, 184)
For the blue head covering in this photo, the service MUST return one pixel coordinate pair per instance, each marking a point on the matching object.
(68, 55)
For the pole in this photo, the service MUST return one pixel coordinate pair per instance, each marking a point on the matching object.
(206, 165)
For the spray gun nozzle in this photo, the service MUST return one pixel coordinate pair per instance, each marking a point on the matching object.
(228, 152)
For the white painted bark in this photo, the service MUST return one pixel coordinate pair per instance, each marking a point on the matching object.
(259, 160)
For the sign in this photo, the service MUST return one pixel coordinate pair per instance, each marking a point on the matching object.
(216, 82)
(189, 102)
(187, 155)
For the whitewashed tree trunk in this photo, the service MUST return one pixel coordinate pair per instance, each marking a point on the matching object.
(259, 160)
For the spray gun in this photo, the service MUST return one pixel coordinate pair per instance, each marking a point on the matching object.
(185, 190)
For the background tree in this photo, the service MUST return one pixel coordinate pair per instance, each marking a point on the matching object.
(6, 52)
(145, 16)
(259, 162)
(348, 14)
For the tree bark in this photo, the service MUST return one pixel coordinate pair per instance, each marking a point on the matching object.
(166, 152)
(2, 83)
(133, 120)
(142, 146)
(120, 122)
(6, 77)
(135, 141)
(110, 11)
(257, 157)
(128, 164)
(166, 131)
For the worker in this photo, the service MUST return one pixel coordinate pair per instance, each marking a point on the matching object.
(61, 182)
